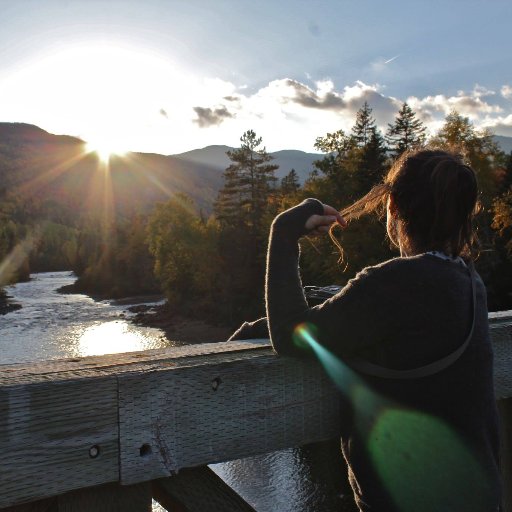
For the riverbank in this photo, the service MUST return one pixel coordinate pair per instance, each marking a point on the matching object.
(176, 327)
(6, 303)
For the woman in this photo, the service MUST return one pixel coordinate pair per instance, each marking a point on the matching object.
(421, 433)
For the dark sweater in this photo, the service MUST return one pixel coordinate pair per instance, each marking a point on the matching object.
(423, 444)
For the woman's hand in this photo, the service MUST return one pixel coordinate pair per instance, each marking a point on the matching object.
(320, 224)
(311, 217)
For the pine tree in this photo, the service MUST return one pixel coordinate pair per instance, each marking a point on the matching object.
(367, 156)
(372, 161)
(290, 184)
(241, 210)
(407, 132)
(364, 126)
(248, 182)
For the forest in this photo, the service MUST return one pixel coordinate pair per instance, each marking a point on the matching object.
(202, 242)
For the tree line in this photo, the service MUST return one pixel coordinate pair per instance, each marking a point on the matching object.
(212, 265)
(215, 266)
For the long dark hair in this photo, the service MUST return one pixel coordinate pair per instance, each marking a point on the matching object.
(435, 194)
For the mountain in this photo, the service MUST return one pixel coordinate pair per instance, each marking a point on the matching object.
(214, 156)
(42, 167)
(288, 159)
(504, 142)
(16, 134)
(39, 167)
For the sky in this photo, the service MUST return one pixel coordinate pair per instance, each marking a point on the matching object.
(169, 76)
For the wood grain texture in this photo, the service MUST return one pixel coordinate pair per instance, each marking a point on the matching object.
(46, 432)
(217, 412)
(110, 364)
(501, 336)
(198, 490)
(505, 410)
(52, 414)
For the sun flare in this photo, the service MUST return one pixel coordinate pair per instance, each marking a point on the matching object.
(105, 149)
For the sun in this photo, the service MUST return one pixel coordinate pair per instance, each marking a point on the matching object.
(105, 149)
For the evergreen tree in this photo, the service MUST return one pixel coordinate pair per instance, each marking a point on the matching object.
(290, 184)
(364, 127)
(368, 152)
(372, 161)
(407, 132)
(248, 182)
(241, 210)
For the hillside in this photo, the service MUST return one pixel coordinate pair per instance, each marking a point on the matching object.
(505, 143)
(42, 167)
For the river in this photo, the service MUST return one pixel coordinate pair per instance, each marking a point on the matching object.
(51, 325)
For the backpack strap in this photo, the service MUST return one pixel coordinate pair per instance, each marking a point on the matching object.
(375, 370)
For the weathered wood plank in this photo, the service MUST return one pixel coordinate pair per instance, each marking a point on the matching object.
(109, 364)
(46, 433)
(198, 490)
(50, 418)
(108, 498)
(505, 409)
(217, 412)
(501, 336)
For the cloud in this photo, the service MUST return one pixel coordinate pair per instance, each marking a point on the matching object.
(384, 107)
(500, 125)
(506, 92)
(323, 98)
(290, 113)
(467, 104)
(480, 91)
(163, 113)
(344, 103)
(207, 117)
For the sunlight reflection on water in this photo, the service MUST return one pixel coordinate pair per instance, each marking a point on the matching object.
(113, 337)
(51, 325)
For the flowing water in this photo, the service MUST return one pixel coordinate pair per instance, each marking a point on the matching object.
(51, 325)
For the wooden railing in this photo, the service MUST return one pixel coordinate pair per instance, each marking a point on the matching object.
(109, 432)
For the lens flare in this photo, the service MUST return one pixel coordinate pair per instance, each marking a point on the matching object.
(17, 257)
(305, 336)
(105, 149)
(423, 463)
(419, 459)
